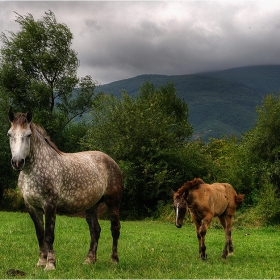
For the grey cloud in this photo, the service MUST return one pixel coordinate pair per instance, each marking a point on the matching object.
(118, 40)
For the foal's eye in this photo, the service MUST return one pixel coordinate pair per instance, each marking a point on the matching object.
(29, 135)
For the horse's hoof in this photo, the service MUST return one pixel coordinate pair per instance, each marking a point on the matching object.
(42, 262)
(115, 261)
(115, 258)
(204, 258)
(224, 256)
(89, 261)
(50, 266)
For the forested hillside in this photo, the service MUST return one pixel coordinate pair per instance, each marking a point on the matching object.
(222, 102)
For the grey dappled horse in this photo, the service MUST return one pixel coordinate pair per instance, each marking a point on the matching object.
(52, 181)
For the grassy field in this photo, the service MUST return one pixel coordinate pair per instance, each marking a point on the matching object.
(147, 249)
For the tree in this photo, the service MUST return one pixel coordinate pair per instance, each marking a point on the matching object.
(263, 142)
(7, 176)
(142, 133)
(38, 71)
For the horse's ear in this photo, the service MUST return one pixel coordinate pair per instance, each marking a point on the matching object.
(185, 194)
(11, 115)
(172, 192)
(29, 116)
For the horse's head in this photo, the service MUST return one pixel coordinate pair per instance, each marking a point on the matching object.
(180, 207)
(19, 135)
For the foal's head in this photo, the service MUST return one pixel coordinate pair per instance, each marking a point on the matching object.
(180, 207)
(181, 197)
(19, 134)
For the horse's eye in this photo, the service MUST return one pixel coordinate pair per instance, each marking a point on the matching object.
(29, 135)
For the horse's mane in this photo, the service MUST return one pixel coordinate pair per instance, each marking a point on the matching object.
(40, 130)
(20, 119)
(189, 185)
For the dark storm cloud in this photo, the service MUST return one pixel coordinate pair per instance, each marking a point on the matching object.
(117, 40)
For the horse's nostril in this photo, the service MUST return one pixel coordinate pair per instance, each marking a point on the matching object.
(18, 164)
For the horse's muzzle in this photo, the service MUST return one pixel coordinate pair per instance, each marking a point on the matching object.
(18, 164)
(178, 225)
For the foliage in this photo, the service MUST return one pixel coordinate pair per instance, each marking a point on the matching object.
(262, 144)
(267, 209)
(38, 71)
(144, 134)
(12, 200)
(229, 163)
(7, 176)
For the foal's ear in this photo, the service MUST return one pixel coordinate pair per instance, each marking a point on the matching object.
(11, 115)
(29, 116)
(172, 192)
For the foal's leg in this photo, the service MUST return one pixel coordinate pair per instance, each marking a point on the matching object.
(226, 222)
(202, 234)
(37, 218)
(95, 229)
(197, 222)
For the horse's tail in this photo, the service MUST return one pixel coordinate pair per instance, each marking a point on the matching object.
(239, 198)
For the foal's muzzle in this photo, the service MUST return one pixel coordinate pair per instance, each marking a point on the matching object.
(17, 164)
(178, 225)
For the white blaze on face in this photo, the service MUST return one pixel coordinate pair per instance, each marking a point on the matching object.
(177, 213)
(19, 142)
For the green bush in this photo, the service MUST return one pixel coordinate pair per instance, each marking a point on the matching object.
(12, 200)
(267, 209)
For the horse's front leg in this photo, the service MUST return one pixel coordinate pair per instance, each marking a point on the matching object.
(197, 222)
(50, 216)
(202, 231)
(37, 218)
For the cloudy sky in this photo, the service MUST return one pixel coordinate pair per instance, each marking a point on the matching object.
(122, 39)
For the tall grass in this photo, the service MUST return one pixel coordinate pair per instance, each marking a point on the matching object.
(147, 249)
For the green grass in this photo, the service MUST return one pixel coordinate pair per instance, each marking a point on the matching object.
(147, 249)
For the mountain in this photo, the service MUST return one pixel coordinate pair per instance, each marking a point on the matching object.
(220, 103)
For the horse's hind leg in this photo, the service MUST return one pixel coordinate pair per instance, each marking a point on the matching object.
(95, 229)
(226, 222)
(113, 205)
(37, 218)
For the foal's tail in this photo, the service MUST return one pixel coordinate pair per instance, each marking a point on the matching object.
(239, 199)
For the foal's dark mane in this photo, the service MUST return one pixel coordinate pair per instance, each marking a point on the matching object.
(189, 185)
(20, 119)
